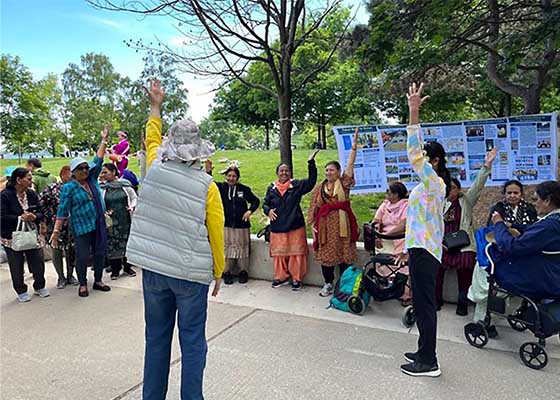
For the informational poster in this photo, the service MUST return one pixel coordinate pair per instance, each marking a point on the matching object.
(527, 150)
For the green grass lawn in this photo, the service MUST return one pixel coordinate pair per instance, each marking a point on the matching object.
(257, 171)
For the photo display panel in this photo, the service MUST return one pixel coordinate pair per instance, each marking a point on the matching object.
(527, 150)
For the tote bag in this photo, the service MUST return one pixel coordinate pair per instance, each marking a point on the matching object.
(24, 237)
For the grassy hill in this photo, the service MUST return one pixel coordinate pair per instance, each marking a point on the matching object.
(257, 171)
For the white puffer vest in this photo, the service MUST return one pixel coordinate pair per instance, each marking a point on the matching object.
(168, 233)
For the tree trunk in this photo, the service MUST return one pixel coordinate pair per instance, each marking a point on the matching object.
(319, 133)
(532, 100)
(507, 104)
(323, 132)
(267, 135)
(285, 139)
(53, 148)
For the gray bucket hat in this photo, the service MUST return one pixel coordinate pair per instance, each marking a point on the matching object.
(183, 142)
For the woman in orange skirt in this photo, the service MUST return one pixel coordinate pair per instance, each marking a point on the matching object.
(288, 240)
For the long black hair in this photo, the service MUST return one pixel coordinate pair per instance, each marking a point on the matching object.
(435, 149)
(18, 173)
(111, 167)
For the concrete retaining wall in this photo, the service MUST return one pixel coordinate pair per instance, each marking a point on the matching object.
(261, 267)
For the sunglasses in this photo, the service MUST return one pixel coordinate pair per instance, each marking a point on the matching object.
(82, 168)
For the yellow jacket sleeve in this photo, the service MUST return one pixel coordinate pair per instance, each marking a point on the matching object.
(153, 139)
(215, 225)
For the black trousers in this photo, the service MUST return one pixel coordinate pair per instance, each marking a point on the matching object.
(328, 272)
(423, 268)
(117, 264)
(35, 263)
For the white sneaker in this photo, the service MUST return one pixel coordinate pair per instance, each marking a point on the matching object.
(326, 290)
(44, 292)
(24, 297)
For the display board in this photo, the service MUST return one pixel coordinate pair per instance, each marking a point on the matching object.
(527, 150)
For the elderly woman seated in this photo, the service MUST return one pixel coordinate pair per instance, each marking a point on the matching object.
(530, 263)
(527, 264)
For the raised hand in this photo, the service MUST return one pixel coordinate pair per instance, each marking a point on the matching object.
(414, 96)
(105, 133)
(355, 139)
(155, 93)
(490, 157)
(312, 155)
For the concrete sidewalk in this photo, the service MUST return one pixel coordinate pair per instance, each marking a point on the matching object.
(263, 344)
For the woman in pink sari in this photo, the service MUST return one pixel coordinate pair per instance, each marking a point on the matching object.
(119, 152)
(390, 219)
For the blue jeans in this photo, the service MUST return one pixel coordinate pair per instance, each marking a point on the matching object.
(164, 297)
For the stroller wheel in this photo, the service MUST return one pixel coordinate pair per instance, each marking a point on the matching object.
(516, 325)
(409, 316)
(476, 334)
(356, 305)
(533, 355)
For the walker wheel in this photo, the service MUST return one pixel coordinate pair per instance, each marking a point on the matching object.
(533, 355)
(409, 316)
(356, 305)
(476, 334)
(516, 325)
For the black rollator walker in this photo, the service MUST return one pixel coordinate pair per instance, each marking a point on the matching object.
(381, 287)
(540, 317)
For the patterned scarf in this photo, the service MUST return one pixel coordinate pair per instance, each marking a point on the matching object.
(517, 215)
(338, 191)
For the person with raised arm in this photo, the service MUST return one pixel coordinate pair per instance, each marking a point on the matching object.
(424, 236)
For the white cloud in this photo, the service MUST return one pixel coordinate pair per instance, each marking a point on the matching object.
(177, 40)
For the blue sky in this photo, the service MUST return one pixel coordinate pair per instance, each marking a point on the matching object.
(49, 34)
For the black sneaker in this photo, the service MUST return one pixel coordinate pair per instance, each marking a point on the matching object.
(243, 277)
(228, 278)
(439, 305)
(462, 309)
(114, 275)
(278, 283)
(419, 369)
(410, 357)
(296, 286)
(129, 271)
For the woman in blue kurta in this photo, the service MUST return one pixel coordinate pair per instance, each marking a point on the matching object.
(81, 202)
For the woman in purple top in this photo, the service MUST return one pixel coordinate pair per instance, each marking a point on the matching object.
(119, 152)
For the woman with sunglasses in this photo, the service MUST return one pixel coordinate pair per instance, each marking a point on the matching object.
(82, 203)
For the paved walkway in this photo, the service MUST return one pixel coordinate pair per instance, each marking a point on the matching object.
(263, 344)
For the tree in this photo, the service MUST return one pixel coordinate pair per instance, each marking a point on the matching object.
(133, 105)
(244, 105)
(230, 35)
(50, 134)
(22, 108)
(90, 96)
(517, 41)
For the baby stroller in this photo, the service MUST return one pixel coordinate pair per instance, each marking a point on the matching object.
(381, 287)
(541, 317)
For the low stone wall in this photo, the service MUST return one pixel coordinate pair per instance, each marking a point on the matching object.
(261, 267)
